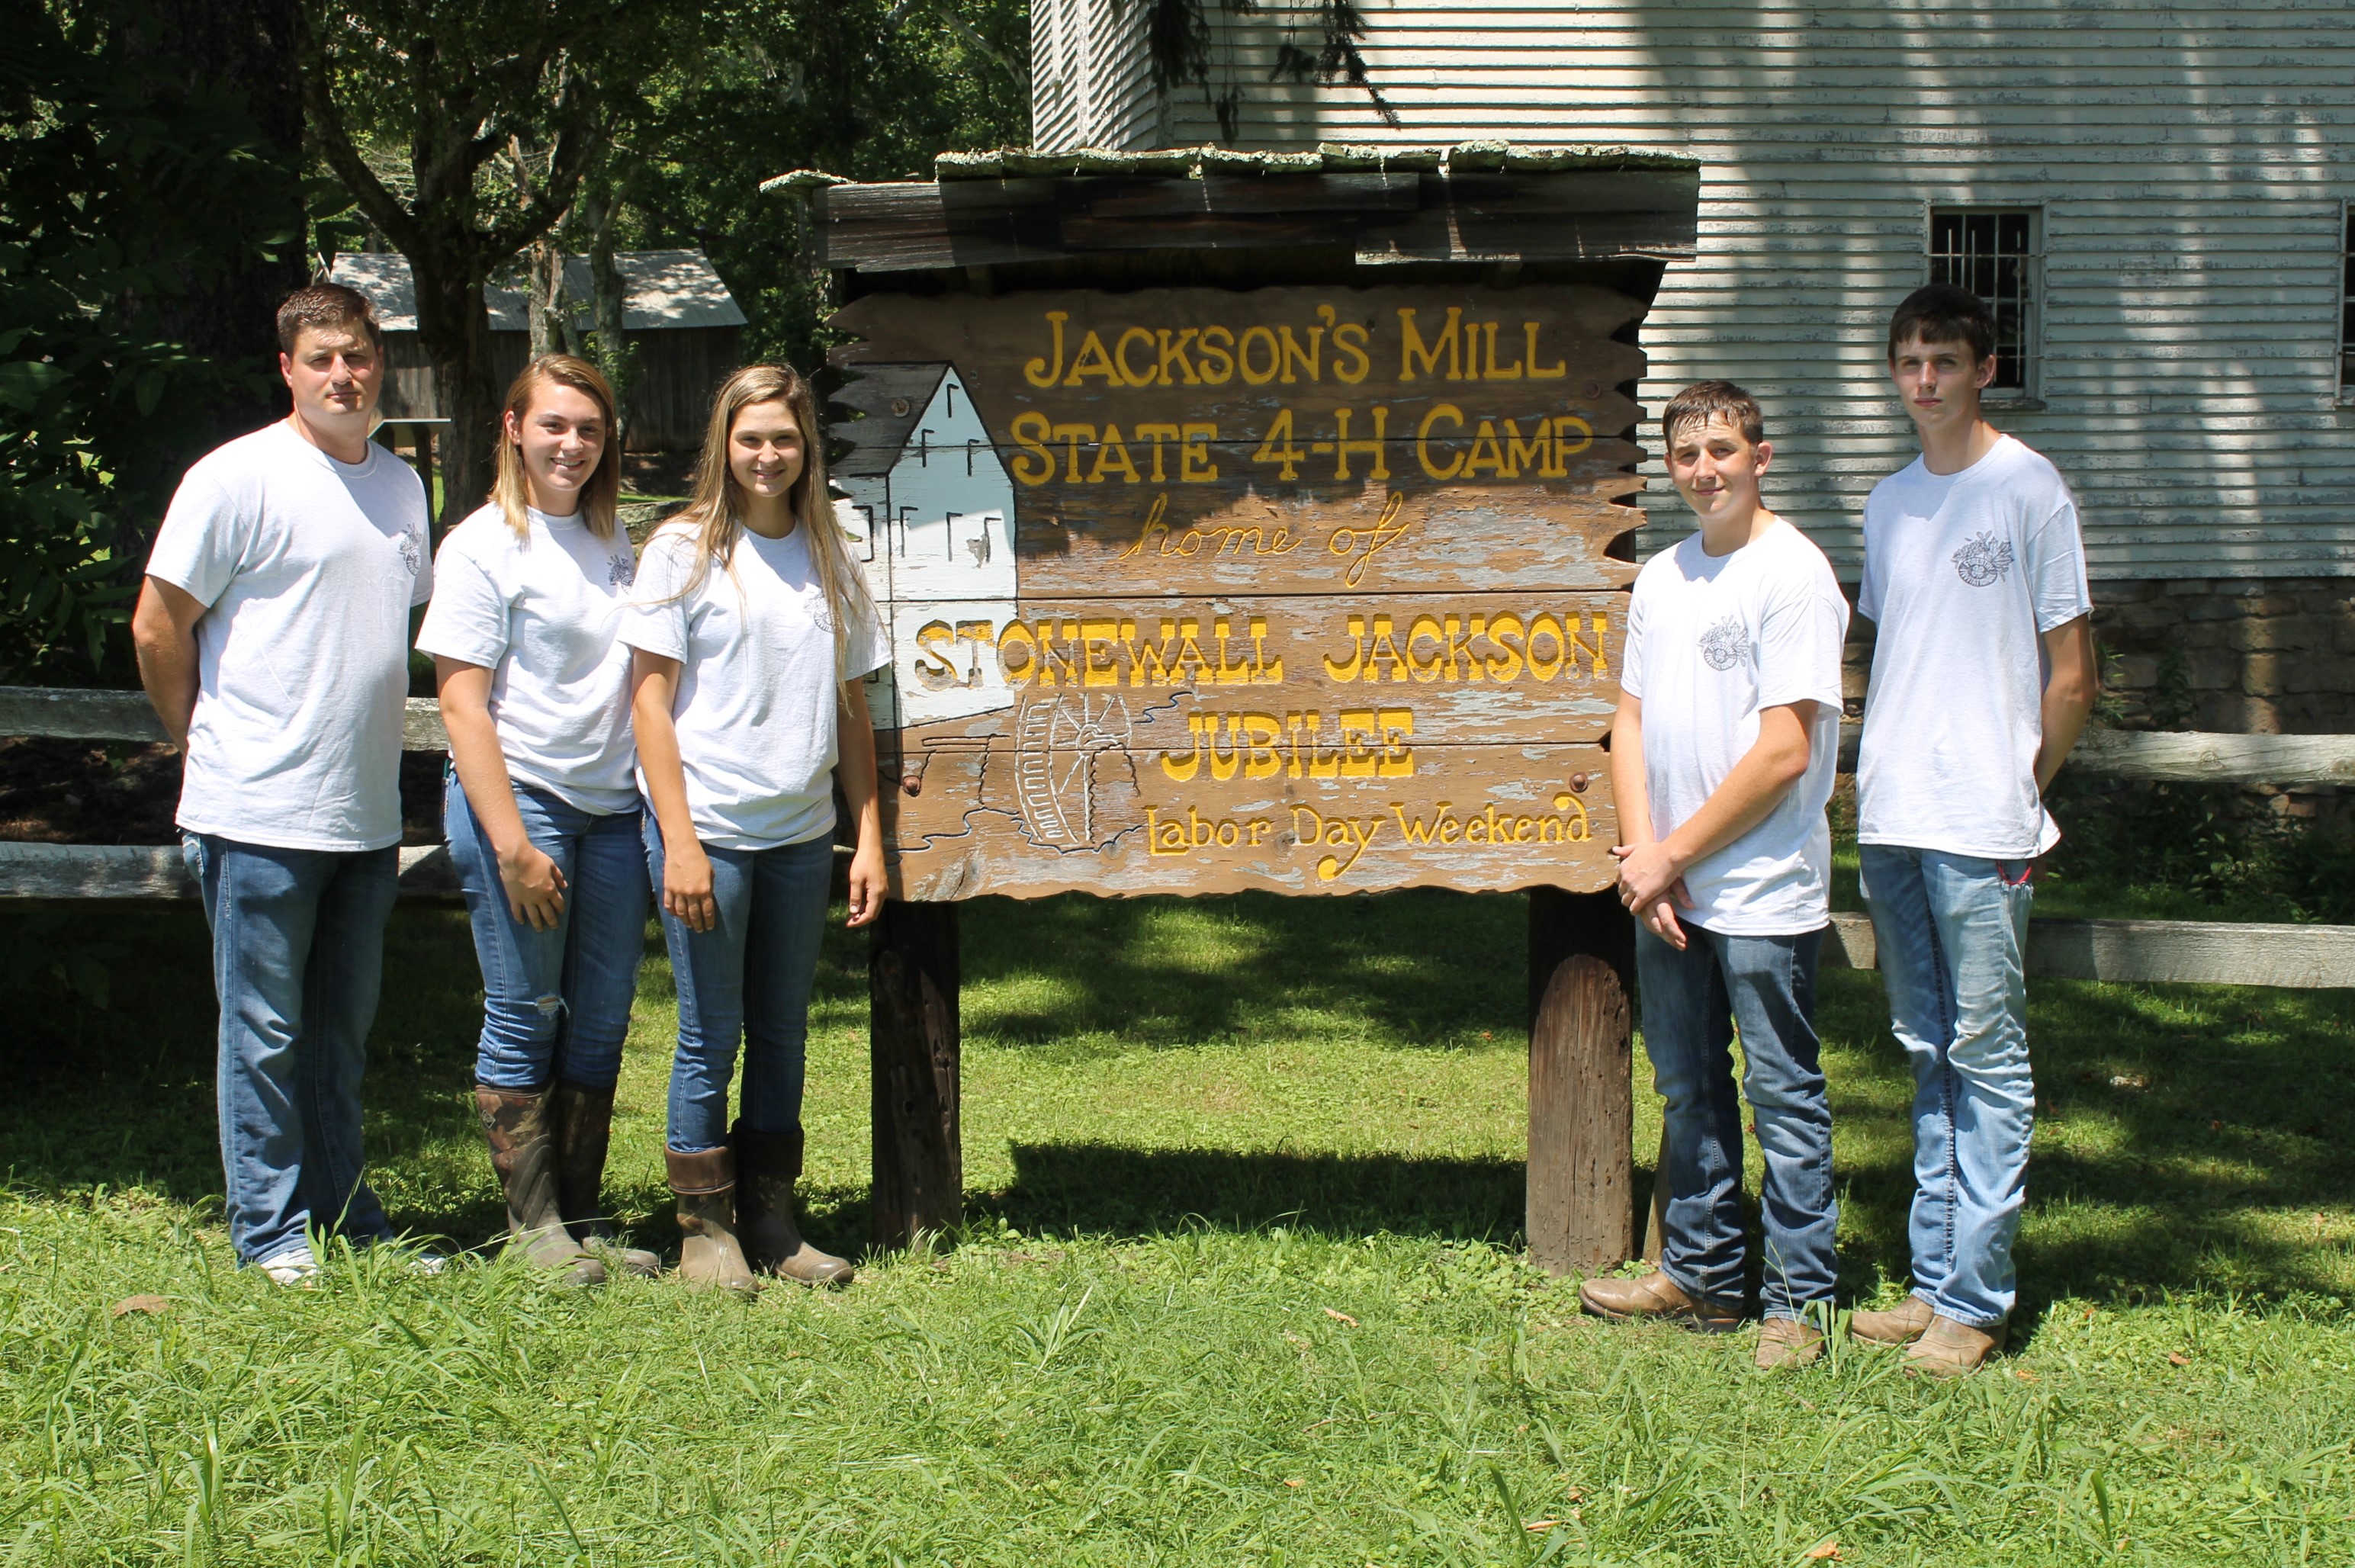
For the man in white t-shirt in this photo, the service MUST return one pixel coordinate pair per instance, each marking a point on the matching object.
(1721, 760)
(1982, 675)
(273, 633)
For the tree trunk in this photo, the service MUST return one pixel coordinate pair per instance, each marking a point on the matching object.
(610, 298)
(547, 305)
(248, 46)
(453, 328)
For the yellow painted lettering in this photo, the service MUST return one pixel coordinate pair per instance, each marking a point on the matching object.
(1112, 455)
(1092, 360)
(1039, 372)
(1031, 434)
(1539, 372)
(1412, 347)
(1432, 416)
(1217, 364)
(1120, 356)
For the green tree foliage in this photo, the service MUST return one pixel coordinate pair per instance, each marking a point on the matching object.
(462, 129)
(115, 202)
(863, 88)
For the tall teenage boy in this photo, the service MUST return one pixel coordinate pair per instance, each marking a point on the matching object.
(1721, 760)
(1982, 675)
(273, 633)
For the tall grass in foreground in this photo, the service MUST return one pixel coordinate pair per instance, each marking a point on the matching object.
(1242, 1285)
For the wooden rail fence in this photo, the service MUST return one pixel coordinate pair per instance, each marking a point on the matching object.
(2202, 952)
(1588, 1173)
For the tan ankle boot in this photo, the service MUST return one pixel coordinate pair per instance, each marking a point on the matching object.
(514, 1125)
(1901, 1324)
(1784, 1342)
(767, 1166)
(711, 1258)
(1951, 1350)
(582, 1121)
(1657, 1296)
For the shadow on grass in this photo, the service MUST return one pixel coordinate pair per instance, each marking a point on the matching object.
(1418, 967)
(1113, 1189)
(2187, 1140)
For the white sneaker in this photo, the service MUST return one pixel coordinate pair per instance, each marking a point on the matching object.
(295, 1265)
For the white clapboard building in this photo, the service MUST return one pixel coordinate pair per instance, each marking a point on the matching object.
(931, 508)
(2155, 195)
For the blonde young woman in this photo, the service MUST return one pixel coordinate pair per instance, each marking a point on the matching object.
(750, 629)
(541, 808)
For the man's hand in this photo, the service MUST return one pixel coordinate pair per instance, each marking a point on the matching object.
(1661, 919)
(1646, 873)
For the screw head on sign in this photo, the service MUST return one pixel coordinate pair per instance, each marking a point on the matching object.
(899, 407)
(912, 784)
(1578, 784)
(1593, 389)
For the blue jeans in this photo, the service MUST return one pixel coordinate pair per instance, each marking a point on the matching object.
(556, 1003)
(1693, 1002)
(298, 954)
(747, 978)
(1951, 931)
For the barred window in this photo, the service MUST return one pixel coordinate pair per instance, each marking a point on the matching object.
(2347, 309)
(1992, 252)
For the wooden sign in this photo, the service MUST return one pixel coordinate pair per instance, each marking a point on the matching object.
(1193, 590)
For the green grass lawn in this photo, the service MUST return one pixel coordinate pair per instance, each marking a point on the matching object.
(1242, 1285)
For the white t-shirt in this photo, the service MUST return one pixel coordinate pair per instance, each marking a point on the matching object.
(1963, 575)
(309, 567)
(1711, 640)
(541, 614)
(757, 686)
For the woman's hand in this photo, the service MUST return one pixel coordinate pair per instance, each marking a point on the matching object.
(687, 885)
(869, 886)
(535, 887)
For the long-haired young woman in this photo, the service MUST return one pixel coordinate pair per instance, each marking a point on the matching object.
(752, 626)
(542, 808)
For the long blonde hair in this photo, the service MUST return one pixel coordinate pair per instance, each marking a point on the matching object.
(509, 490)
(714, 517)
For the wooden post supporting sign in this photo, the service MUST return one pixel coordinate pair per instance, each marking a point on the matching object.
(918, 1159)
(1582, 1107)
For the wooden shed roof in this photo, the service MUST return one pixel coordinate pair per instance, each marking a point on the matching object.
(667, 289)
(1472, 201)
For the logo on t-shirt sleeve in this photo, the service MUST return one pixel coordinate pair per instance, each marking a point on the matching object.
(621, 570)
(412, 549)
(1726, 643)
(1985, 560)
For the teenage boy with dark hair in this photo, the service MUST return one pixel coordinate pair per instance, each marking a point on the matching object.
(273, 633)
(1982, 675)
(1721, 760)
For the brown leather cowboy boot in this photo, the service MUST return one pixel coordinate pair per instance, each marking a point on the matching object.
(1951, 1350)
(515, 1123)
(1901, 1324)
(582, 1121)
(769, 1164)
(1657, 1296)
(705, 1186)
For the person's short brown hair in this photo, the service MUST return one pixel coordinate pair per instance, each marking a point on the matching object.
(324, 306)
(1704, 401)
(1943, 312)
